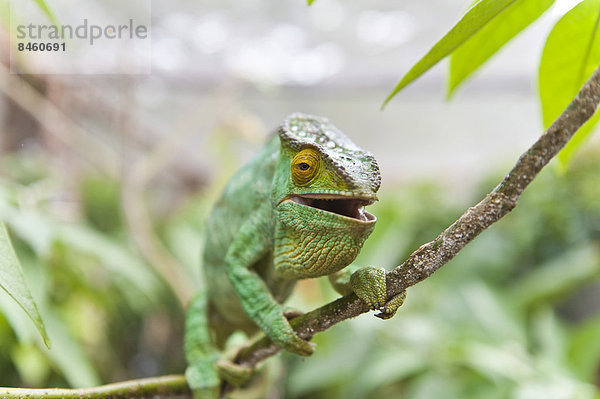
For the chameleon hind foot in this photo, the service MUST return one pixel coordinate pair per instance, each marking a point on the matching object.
(234, 374)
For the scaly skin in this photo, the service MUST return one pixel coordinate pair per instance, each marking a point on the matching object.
(293, 212)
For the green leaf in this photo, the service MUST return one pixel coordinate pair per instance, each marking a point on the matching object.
(46, 10)
(571, 54)
(474, 20)
(13, 282)
(492, 37)
(310, 1)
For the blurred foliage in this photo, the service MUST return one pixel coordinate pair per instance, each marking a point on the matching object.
(507, 318)
(100, 200)
(108, 316)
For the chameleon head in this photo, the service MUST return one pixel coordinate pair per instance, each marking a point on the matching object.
(322, 183)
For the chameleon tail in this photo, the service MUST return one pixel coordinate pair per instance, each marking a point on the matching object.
(201, 353)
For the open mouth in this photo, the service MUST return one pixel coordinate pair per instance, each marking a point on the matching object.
(344, 206)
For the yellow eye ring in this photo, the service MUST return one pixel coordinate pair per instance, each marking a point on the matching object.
(305, 166)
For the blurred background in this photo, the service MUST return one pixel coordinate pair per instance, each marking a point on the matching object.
(105, 181)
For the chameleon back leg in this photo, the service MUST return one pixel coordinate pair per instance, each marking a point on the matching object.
(201, 353)
(207, 366)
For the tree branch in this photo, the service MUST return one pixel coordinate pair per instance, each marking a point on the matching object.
(420, 264)
(172, 386)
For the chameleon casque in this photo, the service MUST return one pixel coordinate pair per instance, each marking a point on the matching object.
(294, 211)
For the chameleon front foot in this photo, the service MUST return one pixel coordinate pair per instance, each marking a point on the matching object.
(275, 324)
(368, 283)
(389, 309)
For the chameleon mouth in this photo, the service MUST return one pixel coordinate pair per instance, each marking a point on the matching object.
(348, 207)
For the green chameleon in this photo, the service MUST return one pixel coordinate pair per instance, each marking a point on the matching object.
(294, 211)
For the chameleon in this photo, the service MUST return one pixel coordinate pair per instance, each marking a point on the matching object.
(294, 211)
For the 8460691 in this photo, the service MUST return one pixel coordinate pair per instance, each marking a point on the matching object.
(29, 46)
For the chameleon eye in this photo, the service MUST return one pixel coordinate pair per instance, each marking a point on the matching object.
(305, 166)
